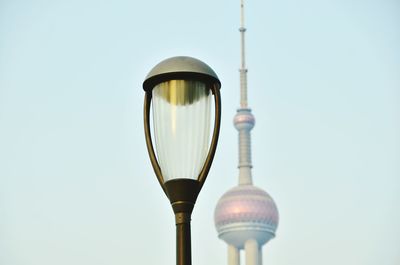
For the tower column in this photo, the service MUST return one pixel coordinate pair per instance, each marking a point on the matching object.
(244, 122)
(260, 255)
(251, 249)
(233, 255)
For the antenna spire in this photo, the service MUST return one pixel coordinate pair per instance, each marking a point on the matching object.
(242, 70)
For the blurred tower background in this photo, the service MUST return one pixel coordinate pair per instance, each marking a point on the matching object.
(246, 217)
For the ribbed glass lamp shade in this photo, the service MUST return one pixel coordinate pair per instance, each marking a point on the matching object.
(181, 122)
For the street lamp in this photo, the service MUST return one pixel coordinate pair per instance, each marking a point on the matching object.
(179, 90)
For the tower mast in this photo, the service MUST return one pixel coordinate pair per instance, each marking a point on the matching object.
(246, 217)
(244, 121)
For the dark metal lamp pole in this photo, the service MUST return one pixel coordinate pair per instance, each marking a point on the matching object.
(179, 89)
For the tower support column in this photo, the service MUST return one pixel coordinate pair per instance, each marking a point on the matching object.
(251, 249)
(233, 255)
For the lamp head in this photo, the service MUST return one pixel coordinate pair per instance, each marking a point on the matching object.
(179, 89)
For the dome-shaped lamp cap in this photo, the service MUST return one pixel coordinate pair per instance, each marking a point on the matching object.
(180, 68)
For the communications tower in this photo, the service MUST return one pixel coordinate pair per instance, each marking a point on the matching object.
(246, 217)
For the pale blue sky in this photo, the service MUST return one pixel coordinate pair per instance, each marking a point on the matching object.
(76, 185)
